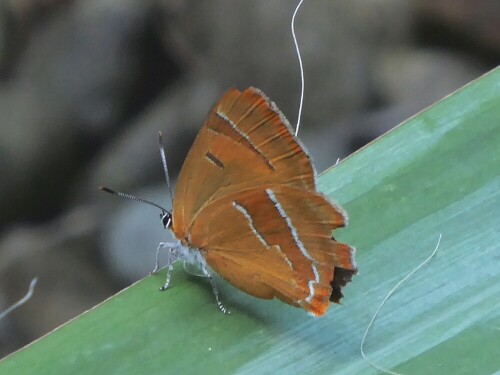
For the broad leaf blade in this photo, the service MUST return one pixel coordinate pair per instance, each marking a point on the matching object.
(437, 173)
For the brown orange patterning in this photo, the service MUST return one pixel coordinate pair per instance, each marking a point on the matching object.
(246, 199)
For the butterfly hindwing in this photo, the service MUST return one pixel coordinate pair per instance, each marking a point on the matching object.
(263, 238)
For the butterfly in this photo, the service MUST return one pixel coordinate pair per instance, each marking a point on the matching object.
(247, 208)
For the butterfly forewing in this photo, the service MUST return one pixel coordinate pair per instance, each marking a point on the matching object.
(266, 131)
(244, 143)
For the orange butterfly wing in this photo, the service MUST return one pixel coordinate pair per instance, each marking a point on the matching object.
(254, 213)
(274, 242)
(244, 142)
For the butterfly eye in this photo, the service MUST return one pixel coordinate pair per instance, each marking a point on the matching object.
(166, 220)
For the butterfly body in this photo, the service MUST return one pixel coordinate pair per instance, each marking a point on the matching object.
(246, 202)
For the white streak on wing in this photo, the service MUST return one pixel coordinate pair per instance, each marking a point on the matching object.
(243, 135)
(233, 125)
(250, 222)
(286, 259)
(245, 213)
(311, 282)
(299, 244)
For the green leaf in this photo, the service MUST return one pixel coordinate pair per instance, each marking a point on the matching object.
(437, 173)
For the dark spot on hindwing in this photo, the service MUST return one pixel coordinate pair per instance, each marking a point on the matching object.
(341, 277)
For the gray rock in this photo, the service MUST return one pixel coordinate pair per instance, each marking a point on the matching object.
(249, 43)
(468, 22)
(421, 75)
(132, 160)
(87, 59)
(76, 81)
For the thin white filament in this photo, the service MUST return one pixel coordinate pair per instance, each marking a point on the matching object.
(22, 301)
(301, 102)
(165, 166)
(391, 292)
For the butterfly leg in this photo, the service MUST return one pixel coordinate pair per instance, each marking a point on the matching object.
(173, 256)
(162, 245)
(216, 292)
(167, 280)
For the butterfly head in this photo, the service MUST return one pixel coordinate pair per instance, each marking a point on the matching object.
(166, 219)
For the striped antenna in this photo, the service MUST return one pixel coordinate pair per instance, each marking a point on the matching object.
(132, 197)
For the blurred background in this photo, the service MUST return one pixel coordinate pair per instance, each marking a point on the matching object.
(85, 85)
